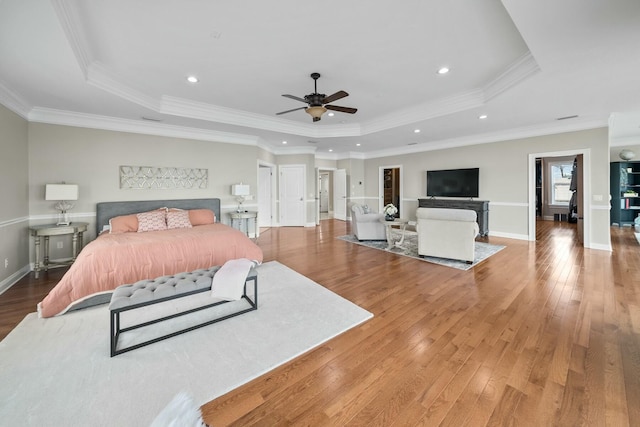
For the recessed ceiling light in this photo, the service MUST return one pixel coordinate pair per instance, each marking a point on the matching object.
(330, 149)
(330, 114)
(192, 79)
(358, 144)
(284, 142)
(482, 116)
(443, 70)
(416, 131)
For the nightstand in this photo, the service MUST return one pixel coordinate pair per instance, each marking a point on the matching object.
(240, 221)
(47, 230)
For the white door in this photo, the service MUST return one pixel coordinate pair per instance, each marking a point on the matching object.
(340, 194)
(265, 196)
(292, 191)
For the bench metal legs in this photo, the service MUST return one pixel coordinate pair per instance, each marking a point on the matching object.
(116, 331)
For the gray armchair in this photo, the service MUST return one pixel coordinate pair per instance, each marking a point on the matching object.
(366, 225)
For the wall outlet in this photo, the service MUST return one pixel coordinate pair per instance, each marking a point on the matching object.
(6, 262)
(60, 245)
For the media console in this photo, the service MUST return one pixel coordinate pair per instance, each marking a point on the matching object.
(480, 206)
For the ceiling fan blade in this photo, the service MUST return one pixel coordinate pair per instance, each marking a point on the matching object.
(338, 95)
(297, 98)
(288, 111)
(348, 110)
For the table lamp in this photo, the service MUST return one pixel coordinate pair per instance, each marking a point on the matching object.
(62, 193)
(240, 191)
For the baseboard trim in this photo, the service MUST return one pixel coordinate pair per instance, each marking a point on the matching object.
(14, 278)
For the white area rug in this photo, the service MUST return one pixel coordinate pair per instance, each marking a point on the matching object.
(410, 249)
(57, 371)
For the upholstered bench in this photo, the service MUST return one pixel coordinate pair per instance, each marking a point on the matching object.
(153, 291)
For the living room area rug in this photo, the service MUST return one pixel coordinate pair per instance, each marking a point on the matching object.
(410, 249)
(57, 371)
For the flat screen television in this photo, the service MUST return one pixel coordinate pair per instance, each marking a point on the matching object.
(453, 183)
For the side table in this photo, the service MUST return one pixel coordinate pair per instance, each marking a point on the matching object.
(47, 230)
(400, 224)
(240, 221)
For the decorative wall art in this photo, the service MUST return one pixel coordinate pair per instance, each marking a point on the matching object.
(151, 177)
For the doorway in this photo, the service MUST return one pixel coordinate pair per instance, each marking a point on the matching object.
(539, 181)
(266, 191)
(391, 188)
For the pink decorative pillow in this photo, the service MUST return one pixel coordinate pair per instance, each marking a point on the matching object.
(201, 217)
(123, 224)
(178, 219)
(152, 221)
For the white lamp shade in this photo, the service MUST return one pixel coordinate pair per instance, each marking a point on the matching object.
(61, 192)
(240, 189)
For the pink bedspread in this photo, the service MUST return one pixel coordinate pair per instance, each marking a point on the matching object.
(112, 260)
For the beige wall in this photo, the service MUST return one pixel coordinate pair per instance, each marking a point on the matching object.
(14, 209)
(504, 177)
(35, 154)
(91, 158)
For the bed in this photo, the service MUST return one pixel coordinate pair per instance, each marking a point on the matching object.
(114, 259)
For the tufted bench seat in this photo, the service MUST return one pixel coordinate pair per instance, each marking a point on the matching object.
(153, 291)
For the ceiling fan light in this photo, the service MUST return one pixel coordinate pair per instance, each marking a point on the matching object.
(316, 112)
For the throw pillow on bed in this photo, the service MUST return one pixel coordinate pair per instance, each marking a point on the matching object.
(201, 217)
(178, 219)
(152, 221)
(123, 224)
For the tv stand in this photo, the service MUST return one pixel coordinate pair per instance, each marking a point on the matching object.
(480, 206)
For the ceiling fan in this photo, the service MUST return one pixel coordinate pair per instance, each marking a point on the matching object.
(319, 102)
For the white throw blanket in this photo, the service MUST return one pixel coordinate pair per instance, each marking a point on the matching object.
(228, 282)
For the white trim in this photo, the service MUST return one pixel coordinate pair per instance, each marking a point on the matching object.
(14, 278)
(509, 235)
(586, 190)
(93, 121)
(512, 204)
(14, 221)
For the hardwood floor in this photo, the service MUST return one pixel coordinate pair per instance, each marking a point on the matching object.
(540, 334)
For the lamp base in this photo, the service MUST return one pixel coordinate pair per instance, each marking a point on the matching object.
(63, 219)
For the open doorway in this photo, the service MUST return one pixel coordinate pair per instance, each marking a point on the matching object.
(391, 187)
(325, 194)
(557, 186)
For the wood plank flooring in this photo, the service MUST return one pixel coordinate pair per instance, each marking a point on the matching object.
(541, 334)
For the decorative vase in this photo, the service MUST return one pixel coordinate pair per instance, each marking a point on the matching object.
(389, 217)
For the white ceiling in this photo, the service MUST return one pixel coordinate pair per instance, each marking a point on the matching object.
(524, 63)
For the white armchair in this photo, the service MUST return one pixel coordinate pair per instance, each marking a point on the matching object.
(447, 233)
(367, 225)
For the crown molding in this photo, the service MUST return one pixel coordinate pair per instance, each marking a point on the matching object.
(487, 138)
(73, 30)
(284, 151)
(622, 141)
(426, 111)
(14, 102)
(69, 118)
(100, 77)
(520, 70)
(213, 113)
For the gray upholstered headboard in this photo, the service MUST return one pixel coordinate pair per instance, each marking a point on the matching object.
(107, 210)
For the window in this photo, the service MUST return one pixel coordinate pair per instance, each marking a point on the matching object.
(560, 182)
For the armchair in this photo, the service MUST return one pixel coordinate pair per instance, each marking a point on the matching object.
(367, 226)
(447, 233)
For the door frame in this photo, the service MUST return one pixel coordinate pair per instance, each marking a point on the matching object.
(381, 188)
(586, 190)
(272, 184)
(319, 171)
